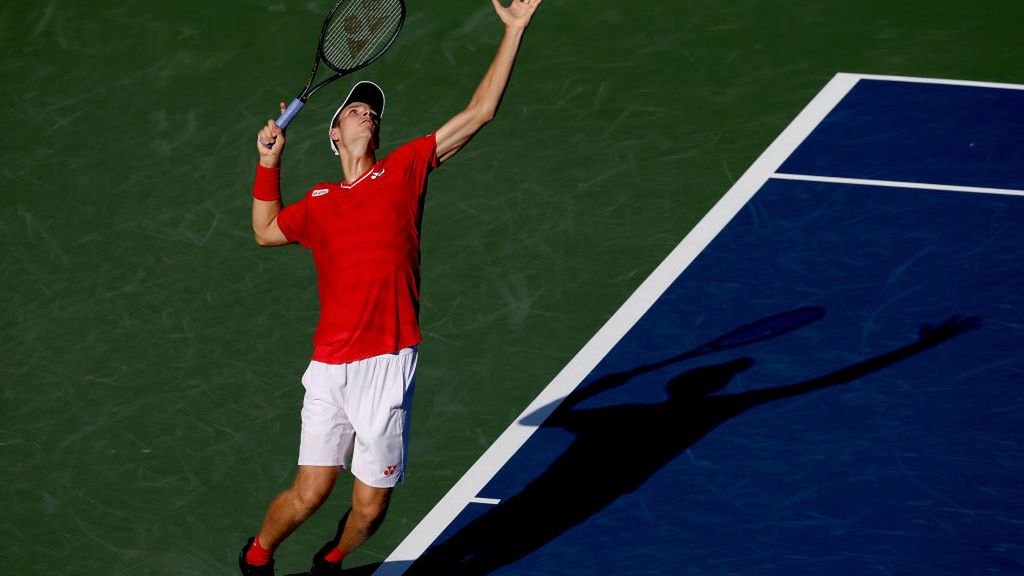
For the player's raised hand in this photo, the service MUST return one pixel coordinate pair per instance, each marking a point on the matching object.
(518, 14)
(270, 143)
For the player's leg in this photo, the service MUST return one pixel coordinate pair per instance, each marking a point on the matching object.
(369, 506)
(378, 408)
(312, 486)
(326, 443)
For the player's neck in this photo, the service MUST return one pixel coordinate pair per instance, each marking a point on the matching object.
(355, 163)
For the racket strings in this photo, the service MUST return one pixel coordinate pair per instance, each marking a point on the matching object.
(359, 32)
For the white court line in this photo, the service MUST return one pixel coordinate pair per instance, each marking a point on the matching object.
(944, 81)
(466, 489)
(896, 184)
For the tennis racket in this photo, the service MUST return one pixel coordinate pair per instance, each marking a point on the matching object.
(354, 34)
(757, 331)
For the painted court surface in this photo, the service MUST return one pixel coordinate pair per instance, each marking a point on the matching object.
(847, 444)
(152, 352)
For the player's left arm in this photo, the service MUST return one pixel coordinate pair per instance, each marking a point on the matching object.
(484, 105)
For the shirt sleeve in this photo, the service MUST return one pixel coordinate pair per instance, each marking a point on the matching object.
(420, 153)
(429, 143)
(293, 220)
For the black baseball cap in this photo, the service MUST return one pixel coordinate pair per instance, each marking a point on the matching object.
(363, 91)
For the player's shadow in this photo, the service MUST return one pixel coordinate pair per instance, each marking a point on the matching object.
(365, 570)
(644, 437)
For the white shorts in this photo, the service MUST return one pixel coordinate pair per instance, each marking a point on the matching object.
(356, 416)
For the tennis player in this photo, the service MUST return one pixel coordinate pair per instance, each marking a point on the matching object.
(364, 235)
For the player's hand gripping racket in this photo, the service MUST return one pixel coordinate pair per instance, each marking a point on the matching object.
(354, 34)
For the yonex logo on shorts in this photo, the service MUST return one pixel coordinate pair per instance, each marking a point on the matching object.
(320, 192)
(390, 470)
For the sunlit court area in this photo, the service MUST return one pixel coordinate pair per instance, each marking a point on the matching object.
(723, 288)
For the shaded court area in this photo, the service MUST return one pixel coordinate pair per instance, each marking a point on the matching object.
(863, 421)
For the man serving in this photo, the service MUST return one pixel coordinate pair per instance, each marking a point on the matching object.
(364, 232)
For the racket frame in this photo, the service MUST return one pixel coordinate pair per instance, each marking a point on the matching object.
(309, 89)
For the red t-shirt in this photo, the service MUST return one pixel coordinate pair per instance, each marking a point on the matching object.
(365, 238)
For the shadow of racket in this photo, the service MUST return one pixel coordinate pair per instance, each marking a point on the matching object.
(758, 331)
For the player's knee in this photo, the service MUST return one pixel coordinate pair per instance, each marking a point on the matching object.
(368, 519)
(369, 511)
(308, 496)
(308, 500)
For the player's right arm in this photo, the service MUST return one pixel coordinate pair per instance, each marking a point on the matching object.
(266, 201)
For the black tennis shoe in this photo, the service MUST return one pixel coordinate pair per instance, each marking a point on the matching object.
(322, 567)
(250, 570)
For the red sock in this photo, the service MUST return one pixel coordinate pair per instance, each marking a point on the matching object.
(257, 555)
(335, 555)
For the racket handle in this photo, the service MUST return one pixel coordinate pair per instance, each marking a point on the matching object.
(287, 116)
(289, 113)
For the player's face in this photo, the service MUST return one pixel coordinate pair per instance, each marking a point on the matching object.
(357, 118)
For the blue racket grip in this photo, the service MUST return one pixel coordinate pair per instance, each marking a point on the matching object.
(289, 113)
(287, 116)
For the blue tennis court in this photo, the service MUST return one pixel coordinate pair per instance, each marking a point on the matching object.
(873, 428)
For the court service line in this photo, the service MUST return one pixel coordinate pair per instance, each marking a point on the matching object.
(896, 184)
(469, 486)
(945, 81)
